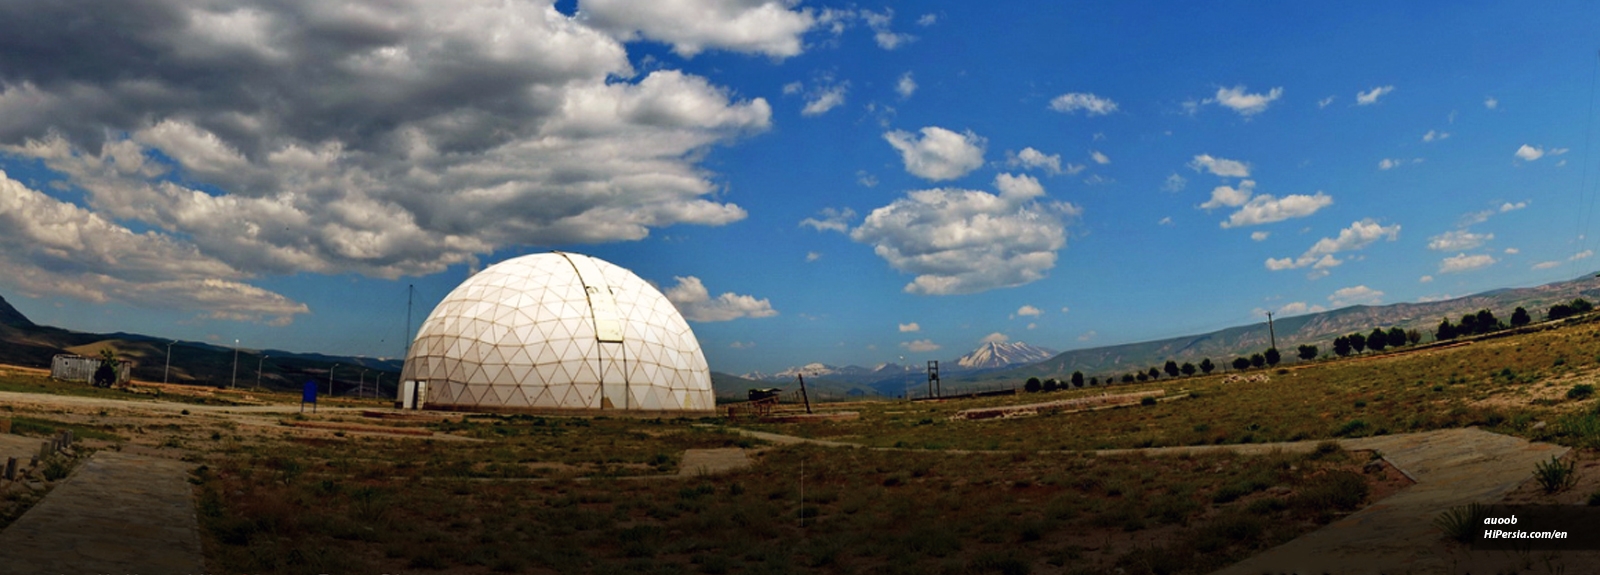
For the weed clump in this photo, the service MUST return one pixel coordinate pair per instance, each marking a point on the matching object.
(1580, 391)
(1462, 521)
(1556, 476)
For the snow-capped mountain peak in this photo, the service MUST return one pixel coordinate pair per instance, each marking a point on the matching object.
(1004, 354)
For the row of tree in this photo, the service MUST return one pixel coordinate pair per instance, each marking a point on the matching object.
(1378, 339)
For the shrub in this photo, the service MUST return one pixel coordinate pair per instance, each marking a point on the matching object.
(1350, 428)
(1580, 391)
(1461, 522)
(1556, 476)
(1147, 401)
(1033, 385)
(1341, 490)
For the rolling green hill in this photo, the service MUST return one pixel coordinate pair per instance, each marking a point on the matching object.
(1317, 329)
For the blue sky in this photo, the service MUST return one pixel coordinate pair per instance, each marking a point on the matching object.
(837, 182)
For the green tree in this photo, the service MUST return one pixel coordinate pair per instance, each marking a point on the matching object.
(1413, 336)
(1206, 366)
(1171, 368)
(1272, 356)
(1307, 352)
(1358, 342)
(1397, 337)
(1468, 325)
(1447, 331)
(1188, 368)
(1127, 378)
(1143, 377)
(1258, 360)
(1519, 317)
(1033, 385)
(1154, 373)
(1341, 345)
(1581, 305)
(1052, 384)
(1486, 322)
(1241, 363)
(106, 374)
(1377, 340)
(1093, 381)
(1077, 379)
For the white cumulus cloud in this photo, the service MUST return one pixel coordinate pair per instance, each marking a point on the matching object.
(1028, 310)
(1529, 153)
(920, 346)
(694, 301)
(836, 220)
(1457, 240)
(1246, 104)
(1370, 97)
(498, 125)
(766, 27)
(824, 98)
(1491, 103)
(1463, 262)
(1265, 209)
(905, 86)
(910, 327)
(964, 241)
(1355, 295)
(1298, 308)
(1229, 196)
(1434, 136)
(1087, 103)
(939, 154)
(1220, 166)
(51, 247)
(1099, 158)
(995, 337)
(1321, 254)
(1174, 184)
(1033, 159)
(1259, 236)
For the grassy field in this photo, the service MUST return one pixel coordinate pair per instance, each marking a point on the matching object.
(1509, 385)
(801, 509)
(515, 494)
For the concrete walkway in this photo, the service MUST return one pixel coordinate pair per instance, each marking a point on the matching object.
(1395, 535)
(712, 461)
(117, 513)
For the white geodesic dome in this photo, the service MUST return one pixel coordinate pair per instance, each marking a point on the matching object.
(558, 331)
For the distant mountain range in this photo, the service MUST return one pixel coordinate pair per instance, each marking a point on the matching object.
(1317, 329)
(23, 342)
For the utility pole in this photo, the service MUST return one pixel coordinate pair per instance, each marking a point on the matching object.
(1270, 332)
(235, 365)
(258, 369)
(330, 379)
(169, 361)
(411, 289)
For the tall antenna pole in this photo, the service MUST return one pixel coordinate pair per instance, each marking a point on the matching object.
(1270, 332)
(410, 290)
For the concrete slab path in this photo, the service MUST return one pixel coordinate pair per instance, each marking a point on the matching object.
(117, 513)
(712, 461)
(1396, 535)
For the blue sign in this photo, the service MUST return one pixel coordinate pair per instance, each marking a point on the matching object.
(310, 393)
